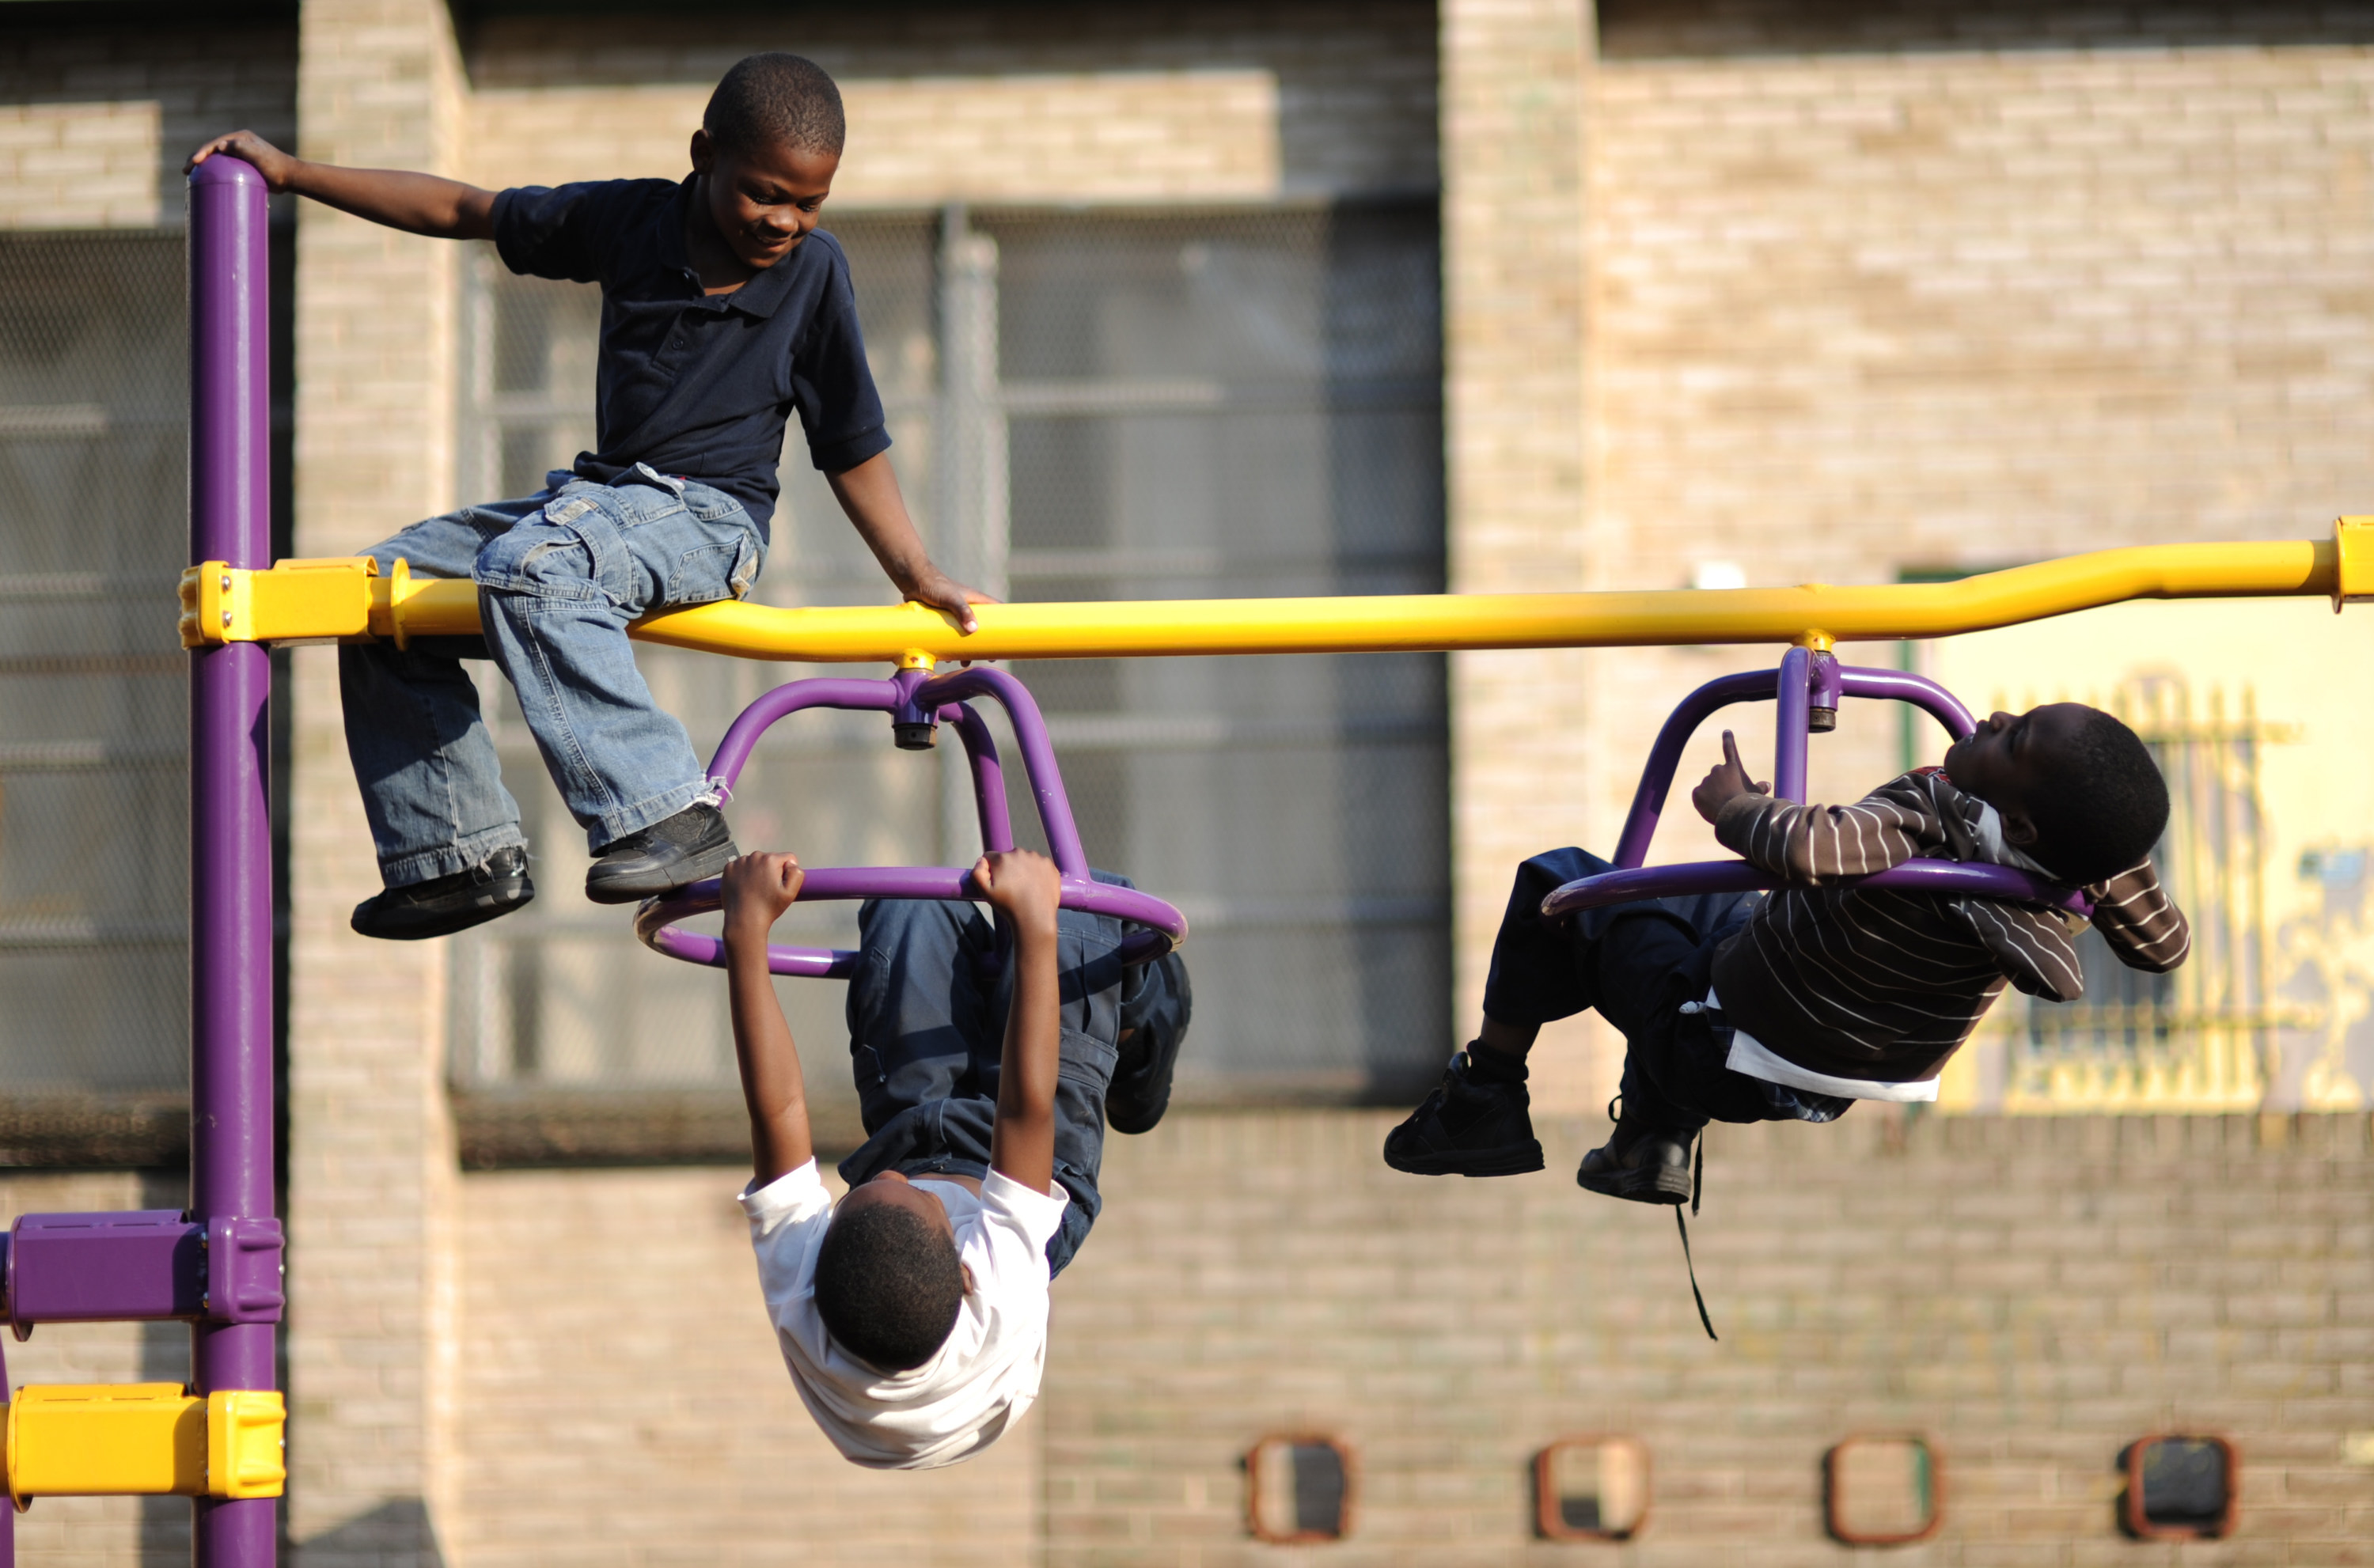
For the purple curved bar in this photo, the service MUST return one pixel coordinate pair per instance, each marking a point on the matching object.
(907, 697)
(1657, 778)
(1037, 753)
(742, 736)
(1166, 927)
(1949, 878)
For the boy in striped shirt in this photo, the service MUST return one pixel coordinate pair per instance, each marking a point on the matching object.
(1796, 1004)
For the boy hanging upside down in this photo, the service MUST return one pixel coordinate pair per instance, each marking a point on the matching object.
(1750, 1007)
(913, 1312)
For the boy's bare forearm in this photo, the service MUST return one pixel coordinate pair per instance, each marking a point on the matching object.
(1022, 1147)
(869, 495)
(418, 203)
(772, 1083)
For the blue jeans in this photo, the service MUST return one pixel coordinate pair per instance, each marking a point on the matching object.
(1645, 966)
(927, 1031)
(560, 576)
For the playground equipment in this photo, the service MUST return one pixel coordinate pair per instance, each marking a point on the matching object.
(1807, 687)
(916, 703)
(218, 1440)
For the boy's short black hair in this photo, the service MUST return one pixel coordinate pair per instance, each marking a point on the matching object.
(775, 100)
(888, 1285)
(2106, 805)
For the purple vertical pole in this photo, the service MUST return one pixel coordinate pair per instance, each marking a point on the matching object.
(1789, 723)
(230, 826)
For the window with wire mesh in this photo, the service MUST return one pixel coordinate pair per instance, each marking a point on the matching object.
(94, 851)
(1085, 405)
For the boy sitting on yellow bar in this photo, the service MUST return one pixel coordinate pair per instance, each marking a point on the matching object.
(1794, 1005)
(724, 311)
(913, 1312)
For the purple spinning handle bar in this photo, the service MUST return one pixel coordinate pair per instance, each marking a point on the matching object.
(915, 701)
(1805, 686)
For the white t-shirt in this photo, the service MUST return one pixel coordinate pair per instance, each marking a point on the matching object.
(987, 1374)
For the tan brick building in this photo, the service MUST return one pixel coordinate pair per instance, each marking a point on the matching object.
(1770, 291)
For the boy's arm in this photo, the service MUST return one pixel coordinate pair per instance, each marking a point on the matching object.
(418, 203)
(757, 889)
(1812, 843)
(2140, 923)
(1024, 887)
(869, 493)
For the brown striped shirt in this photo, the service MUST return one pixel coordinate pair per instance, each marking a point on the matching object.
(1882, 986)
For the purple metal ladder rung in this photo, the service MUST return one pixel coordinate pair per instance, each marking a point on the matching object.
(912, 698)
(140, 1266)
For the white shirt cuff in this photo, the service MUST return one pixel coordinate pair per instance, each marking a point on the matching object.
(779, 1199)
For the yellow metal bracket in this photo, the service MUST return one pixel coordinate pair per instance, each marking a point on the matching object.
(2353, 551)
(302, 601)
(144, 1439)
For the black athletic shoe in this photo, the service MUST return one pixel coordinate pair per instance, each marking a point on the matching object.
(1640, 1163)
(1467, 1128)
(663, 856)
(445, 905)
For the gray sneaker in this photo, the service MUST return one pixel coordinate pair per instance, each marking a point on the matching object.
(1641, 1163)
(662, 858)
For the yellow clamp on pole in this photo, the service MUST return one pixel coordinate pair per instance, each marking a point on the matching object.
(2353, 550)
(144, 1439)
(300, 601)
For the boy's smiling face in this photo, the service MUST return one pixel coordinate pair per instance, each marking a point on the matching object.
(762, 204)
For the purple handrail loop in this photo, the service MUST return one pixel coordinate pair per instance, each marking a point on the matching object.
(911, 697)
(1804, 682)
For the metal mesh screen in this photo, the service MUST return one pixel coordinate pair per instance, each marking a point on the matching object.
(1086, 406)
(94, 858)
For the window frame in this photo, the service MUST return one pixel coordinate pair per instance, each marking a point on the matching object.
(2131, 1497)
(1837, 1530)
(1346, 1513)
(1548, 1520)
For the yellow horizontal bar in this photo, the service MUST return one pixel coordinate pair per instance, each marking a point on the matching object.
(2338, 569)
(144, 1439)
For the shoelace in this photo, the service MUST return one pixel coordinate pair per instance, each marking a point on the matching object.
(1697, 1181)
(1698, 1185)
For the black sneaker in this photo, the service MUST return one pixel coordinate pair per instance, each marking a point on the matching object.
(1467, 1128)
(445, 905)
(663, 856)
(1640, 1163)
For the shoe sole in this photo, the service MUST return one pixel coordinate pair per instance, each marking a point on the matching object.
(1512, 1159)
(1653, 1184)
(622, 890)
(491, 901)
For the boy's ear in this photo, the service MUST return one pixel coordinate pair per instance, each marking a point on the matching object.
(704, 152)
(2018, 827)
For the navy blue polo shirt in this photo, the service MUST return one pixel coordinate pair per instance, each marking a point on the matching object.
(699, 386)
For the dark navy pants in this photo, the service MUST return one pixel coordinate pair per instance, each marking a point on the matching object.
(1645, 966)
(927, 1031)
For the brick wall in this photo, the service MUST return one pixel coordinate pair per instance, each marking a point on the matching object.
(1514, 223)
(2030, 1295)
(1856, 312)
(1145, 102)
(95, 122)
(370, 1160)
